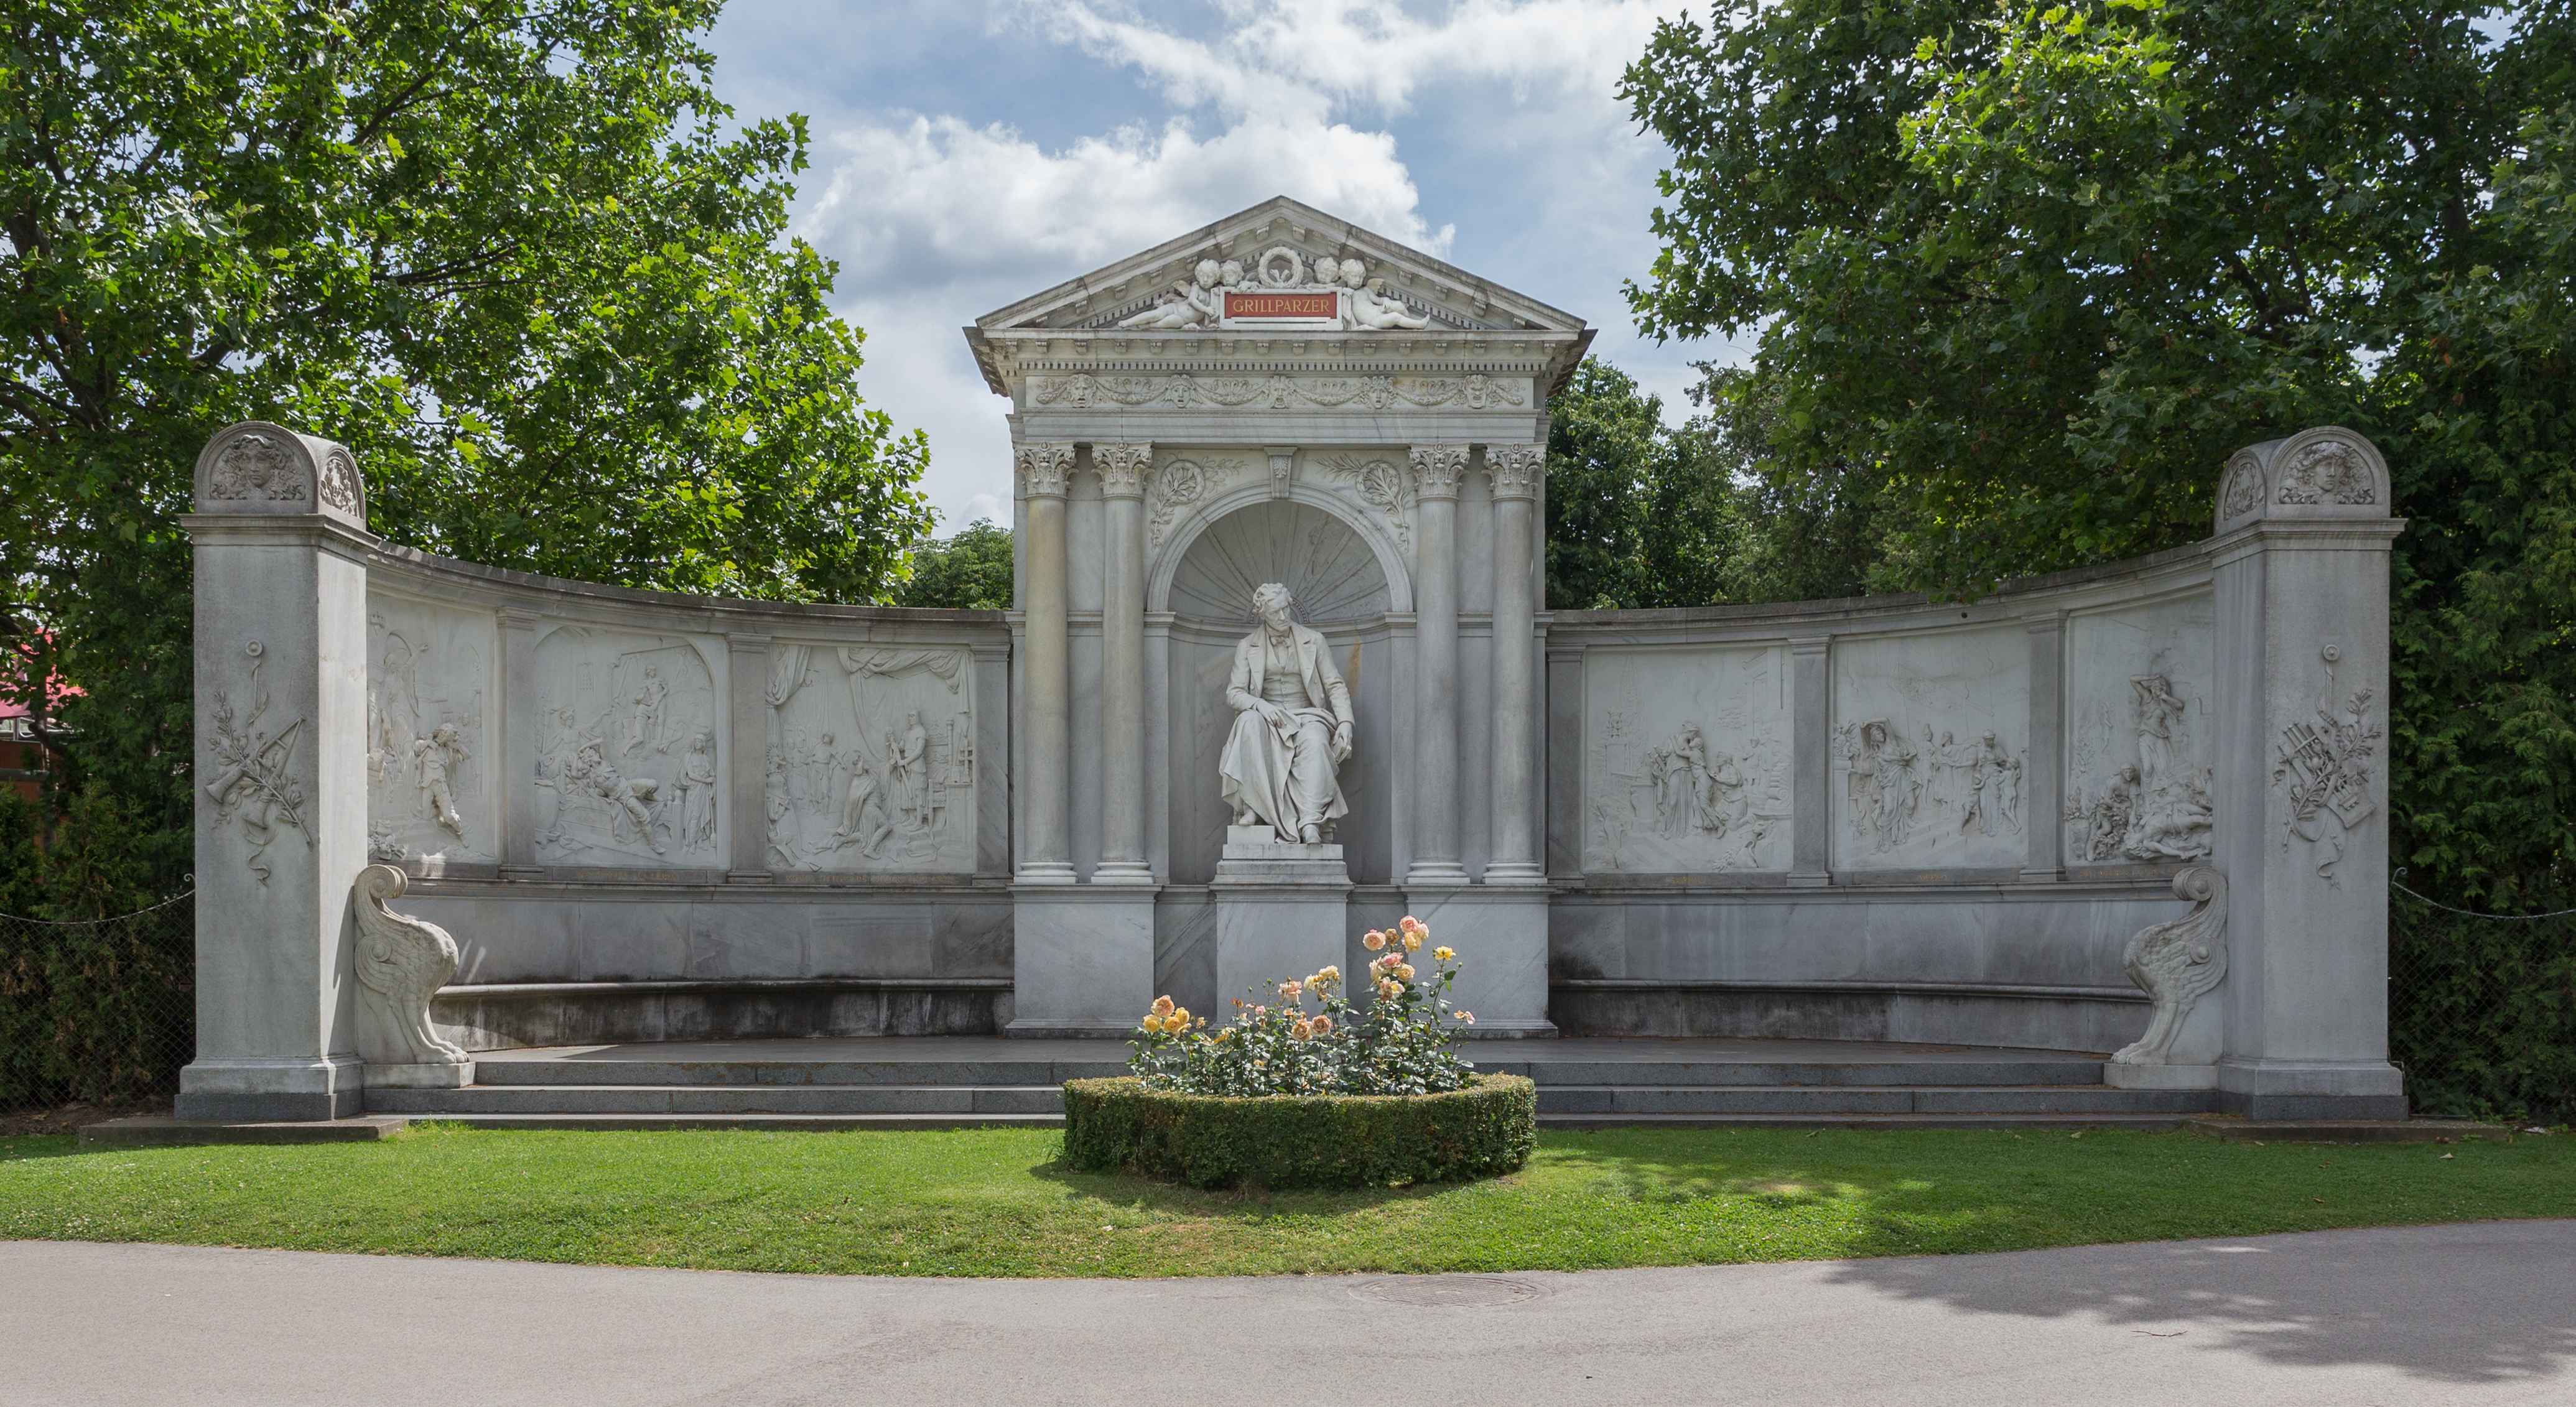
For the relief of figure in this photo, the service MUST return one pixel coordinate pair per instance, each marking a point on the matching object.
(863, 815)
(1991, 774)
(432, 757)
(629, 799)
(1695, 790)
(1292, 726)
(781, 811)
(2171, 817)
(1187, 305)
(2158, 712)
(1370, 305)
(698, 793)
(644, 723)
(2112, 813)
(1883, 791)
(906, 778)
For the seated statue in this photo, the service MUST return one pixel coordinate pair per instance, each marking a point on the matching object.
(1292, 727)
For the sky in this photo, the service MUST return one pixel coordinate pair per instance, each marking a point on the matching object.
(968, 153)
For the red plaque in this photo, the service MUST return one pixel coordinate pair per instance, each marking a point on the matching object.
(1303, 306)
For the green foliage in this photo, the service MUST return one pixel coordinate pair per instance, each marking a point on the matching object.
(2482, 1012)
(103, 1011)
(1644, 515)
(2022, 277)
(516, 256)
(968, 572)
(1484, 1129)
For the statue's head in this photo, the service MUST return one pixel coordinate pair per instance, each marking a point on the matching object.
(1355, 274)
(1207, 272)
(1271, 603)
(1230, 272)
(1328, 271)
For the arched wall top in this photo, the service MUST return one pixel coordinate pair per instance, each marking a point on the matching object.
(1167, 562)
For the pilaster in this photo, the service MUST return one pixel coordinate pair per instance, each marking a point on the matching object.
(1437, 472)
(1811, 772)
(747, 743)
(2045, 800)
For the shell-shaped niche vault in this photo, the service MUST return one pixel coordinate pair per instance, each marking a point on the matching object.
(1322, 560)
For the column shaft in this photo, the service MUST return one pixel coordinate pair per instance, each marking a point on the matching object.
(1046, 851)
(1122, 664)
(1437, 470)
(1515, 470)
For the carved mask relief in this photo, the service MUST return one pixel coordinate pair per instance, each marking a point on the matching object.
(628, 764)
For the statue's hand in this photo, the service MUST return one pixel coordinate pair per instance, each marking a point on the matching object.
(1341, 743)
(1274, 715)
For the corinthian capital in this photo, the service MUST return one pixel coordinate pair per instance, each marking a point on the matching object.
(1122, 469)
(1516, 469)
(1438, 469)
(1044, 467)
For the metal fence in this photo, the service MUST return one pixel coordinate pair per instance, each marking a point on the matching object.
(2482, 1010)
(99, 1012)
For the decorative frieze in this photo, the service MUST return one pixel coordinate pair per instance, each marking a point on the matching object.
(1278, 391)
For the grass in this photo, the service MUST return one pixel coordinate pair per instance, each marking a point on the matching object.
(994, 1202)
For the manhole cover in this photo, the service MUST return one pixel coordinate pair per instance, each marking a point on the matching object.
(1457, 1291)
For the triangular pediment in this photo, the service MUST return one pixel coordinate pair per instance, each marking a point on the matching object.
(1267, 257)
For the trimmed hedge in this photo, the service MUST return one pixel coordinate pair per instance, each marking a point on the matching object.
(1333, 1140)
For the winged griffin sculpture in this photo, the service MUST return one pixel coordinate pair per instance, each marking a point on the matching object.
(2178, 963)
(401, 962)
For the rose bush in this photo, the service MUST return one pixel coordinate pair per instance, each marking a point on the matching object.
(1404, 1041)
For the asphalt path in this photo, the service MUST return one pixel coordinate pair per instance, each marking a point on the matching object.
(2480, 1313)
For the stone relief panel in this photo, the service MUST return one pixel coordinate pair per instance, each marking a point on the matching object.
(2322, 769)
(1284, 288)
(1931, 750)
(1377, 481)
(628, 767)
(871, 758)
(2141, 743)
(433, 784)
(1185, 479)
(1318, 557)
(257, 787)
(1686, 759)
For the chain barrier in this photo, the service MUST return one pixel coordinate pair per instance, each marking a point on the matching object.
(2482, 1009)
(101, 1011)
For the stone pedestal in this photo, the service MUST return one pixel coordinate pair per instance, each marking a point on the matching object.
(281, 775)
(1501, 937)
(1083, 959)
(2302, 778)
(1282, 911)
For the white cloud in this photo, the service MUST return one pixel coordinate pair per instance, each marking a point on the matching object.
(939, 218)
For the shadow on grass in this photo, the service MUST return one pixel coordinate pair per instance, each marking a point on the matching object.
(1249, 1203)
(45, 1146)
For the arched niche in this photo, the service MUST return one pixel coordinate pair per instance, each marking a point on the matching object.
(1338, 572)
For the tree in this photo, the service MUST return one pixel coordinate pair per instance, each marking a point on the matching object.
(968, 572)
(1642, 514)
(516, 256)
(2025, 276)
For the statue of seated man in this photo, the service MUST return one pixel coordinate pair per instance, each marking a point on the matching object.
(1292, 726)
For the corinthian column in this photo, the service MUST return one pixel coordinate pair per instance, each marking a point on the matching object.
(1045, 855)
(1516, 471)
(1437, 470)
(1122, 665)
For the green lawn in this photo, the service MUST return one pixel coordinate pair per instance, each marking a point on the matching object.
(993, 1201)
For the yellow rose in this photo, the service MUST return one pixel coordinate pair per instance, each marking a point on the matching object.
(1404, 970)
(1413, 942)
(1179, 1018)
(1443, 954)
(1153, 1023)
(1162, 1006)
(1372, 940)
(1331, 974)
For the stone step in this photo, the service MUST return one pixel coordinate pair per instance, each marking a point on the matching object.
(825, 1123)
(720, 1099)
(1596, 1100)
(500, 1068)
(1870, 1100)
